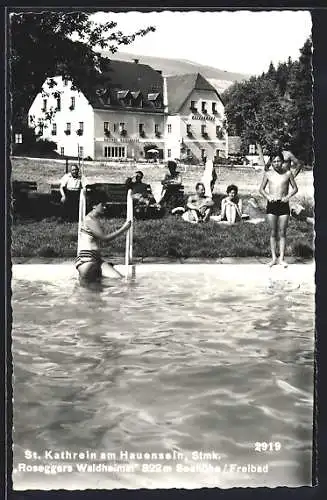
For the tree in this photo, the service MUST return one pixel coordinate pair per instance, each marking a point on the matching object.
(276, 106)
(42, 46)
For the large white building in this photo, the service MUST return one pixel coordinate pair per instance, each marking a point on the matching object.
(195, 119)
(133, 110)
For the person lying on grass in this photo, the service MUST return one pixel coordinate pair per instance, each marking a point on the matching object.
(231, 205)
(278, 182)
(88, 262)
(199, 206)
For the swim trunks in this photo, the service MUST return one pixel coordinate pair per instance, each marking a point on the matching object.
(88, 256)
(278, 207)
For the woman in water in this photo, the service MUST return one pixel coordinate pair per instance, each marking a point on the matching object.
(88, 262)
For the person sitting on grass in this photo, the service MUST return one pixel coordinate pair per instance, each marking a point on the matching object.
(89, 263)
(231, 206)
(278, 182)
(199, 206)
(141, 194)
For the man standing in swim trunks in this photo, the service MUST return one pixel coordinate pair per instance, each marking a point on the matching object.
(278, 182)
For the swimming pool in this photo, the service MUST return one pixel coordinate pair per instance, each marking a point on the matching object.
(208, 366)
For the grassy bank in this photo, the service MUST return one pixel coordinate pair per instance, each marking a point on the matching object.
(42, 234)
(168, 237)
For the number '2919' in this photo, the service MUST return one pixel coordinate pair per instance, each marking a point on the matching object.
(267, 446)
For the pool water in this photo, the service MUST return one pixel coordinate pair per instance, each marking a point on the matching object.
(185, 359)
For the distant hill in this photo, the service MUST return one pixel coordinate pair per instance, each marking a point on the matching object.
(220, 79)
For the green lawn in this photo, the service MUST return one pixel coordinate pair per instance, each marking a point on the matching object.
(167, 237)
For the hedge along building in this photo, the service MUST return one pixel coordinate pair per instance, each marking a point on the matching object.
(194, 122)
(120, 116)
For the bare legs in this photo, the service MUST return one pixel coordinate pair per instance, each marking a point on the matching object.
(283, 222)
(274, 222)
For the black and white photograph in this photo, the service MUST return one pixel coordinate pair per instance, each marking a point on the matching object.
(162, 247)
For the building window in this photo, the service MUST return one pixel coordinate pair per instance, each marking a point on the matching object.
(115, 127)
(58, 103)
(122, 129)
(68, 128)
(65, 82)
(203, 107)
(189, 129)
(214, 109)
(203, 129)
(156, 130)
(81, 151)
(45, 102)
(141, 130)
(80, 128)
(40, 128)
(72, 103)
(62, 151)
(18, 138)
(114, 152)
(54, 129)
(188, 152)
(169, 130)
(169, 153)
(193, 107)
(203, 153)
(105, 126)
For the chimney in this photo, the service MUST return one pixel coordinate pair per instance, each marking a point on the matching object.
(136, 61)
(165, 95)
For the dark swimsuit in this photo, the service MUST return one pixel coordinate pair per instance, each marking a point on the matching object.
(278, 207)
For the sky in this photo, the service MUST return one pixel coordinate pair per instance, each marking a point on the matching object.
(241, 41)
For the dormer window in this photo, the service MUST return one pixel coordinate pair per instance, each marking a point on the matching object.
(137, 99)
(124, 97)
(155, 99)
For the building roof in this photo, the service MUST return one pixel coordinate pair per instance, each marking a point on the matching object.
(179, 87)
(120, 79)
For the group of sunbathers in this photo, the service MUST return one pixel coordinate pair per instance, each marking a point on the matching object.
(275, 188)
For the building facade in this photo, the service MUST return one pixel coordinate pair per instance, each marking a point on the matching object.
(132, 111)
(194, 126)
(121, 118)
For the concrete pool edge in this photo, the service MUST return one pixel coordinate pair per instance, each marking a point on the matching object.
(118, 260)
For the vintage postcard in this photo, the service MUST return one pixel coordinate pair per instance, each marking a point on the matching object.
(162, 245)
